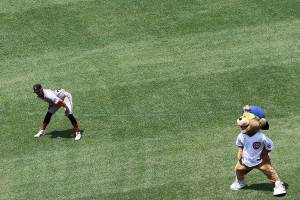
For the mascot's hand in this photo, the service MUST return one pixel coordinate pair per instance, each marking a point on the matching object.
(265, 155)
(240, 161)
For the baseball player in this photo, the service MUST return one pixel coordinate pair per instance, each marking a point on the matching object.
(56, 99)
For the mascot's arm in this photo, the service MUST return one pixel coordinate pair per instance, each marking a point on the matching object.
(240, 153)
(265, 155)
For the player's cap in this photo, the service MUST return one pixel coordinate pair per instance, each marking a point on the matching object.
(256, 110)
(37, 87)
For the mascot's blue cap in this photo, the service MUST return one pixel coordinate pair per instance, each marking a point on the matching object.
(256, 110)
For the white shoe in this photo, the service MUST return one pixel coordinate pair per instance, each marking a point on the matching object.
(78, 136)
(279, 189)
(237, 185)
(40, 133)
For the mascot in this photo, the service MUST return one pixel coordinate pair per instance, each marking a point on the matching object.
(253, 149)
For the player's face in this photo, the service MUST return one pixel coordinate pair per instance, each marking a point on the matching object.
(39, 93)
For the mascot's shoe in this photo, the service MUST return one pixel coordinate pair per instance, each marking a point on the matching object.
(40, 133)
(78, 136)
(279, 189)
(237, 185)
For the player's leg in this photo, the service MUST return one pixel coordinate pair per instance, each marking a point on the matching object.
(69, 113)
(267, 168)
(73, 122)
(51, 110)
(240, 172)
(44, 125)
(46, 120)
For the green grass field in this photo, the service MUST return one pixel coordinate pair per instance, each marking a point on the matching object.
(157, 87)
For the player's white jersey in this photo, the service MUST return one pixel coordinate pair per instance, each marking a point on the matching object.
(253, 147)
(53, 96)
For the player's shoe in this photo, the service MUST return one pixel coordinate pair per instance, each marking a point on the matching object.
(78, 136)
(40, 133)
(279, 189)
(237, 185)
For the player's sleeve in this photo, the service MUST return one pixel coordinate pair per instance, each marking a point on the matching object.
(239, 141)
(268, 143)
(50, 95)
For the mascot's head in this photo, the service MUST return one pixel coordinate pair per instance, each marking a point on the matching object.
(252, 119)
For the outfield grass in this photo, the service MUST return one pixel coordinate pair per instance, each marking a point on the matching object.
(157, 88)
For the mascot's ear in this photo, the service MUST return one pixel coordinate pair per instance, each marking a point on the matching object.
(246, 108)
(264, 124)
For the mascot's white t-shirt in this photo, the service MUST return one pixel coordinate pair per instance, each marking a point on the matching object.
(253, 147)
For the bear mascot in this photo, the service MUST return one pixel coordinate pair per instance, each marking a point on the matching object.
(253, 149)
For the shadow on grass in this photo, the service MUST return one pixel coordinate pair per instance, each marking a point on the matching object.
(69, 133)
(264, 187)
(261, 186)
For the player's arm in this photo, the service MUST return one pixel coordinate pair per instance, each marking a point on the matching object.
(61, 103)
(49, 94)
(56, 100)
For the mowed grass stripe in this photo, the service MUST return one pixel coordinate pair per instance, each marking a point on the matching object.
(98, 23)
(15, 6)
(209, 53)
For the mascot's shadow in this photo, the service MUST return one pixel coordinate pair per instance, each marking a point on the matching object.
(69, 133)
(263, 186)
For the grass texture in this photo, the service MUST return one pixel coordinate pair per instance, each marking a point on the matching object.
(157, 87)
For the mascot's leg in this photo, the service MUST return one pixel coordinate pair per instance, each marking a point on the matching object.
(240, 171)
(267, 168)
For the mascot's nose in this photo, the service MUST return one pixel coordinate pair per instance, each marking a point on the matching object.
(242, 121)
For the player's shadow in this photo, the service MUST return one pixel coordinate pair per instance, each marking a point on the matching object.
(69, 133)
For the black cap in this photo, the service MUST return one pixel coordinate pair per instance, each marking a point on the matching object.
(37, 87)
